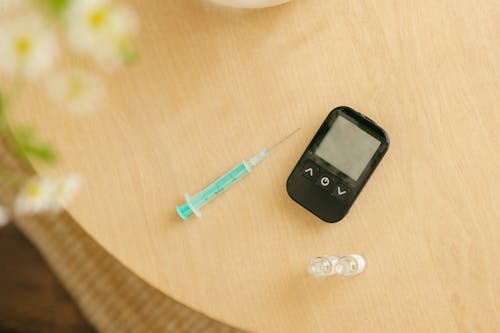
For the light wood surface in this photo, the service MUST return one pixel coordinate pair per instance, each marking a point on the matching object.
(214, 86)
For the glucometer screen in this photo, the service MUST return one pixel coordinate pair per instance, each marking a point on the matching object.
(347, 147)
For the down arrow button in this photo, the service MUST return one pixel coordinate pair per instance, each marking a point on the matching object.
(341, 191)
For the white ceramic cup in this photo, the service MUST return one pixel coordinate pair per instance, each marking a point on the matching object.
(249, 3)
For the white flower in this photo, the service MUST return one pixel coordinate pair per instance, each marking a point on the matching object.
(36, 196)
(65, 191)
(79, 91)
(27, 47)
(43, 194)
(101, 30)
(4, 217)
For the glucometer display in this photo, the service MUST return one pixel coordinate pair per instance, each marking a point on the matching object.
(347, 147)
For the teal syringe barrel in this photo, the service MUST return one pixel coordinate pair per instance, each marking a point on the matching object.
(193, 204)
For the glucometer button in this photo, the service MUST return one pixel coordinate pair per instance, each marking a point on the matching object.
(325, 181)
(310, 170)
(341, 191)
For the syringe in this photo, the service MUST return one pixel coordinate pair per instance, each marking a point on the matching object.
(193, 204)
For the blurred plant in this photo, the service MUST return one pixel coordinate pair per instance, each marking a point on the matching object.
(34, 197)
(28, 49)
(78, 90)
(101, 30)
(44, 194)
(31, 40)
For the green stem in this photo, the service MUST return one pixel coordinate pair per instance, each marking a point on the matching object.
(7, 100)
(22, 143)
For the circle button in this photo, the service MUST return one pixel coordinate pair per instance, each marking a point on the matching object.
(325, 181)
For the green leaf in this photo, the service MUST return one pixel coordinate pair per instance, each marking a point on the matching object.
(44, 153)
(26, 145)
(22, 140)
(54, 6)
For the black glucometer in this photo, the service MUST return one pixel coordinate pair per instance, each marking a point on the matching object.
(337, 164)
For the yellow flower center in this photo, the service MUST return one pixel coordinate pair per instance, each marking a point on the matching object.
(33, 190)
(98, 18)
(23, 46)
(75, 88)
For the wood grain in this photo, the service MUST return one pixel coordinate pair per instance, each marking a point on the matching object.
(213, 86)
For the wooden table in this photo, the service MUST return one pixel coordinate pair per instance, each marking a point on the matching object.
(214, 86)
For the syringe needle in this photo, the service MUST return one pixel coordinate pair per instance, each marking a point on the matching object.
(284, 139)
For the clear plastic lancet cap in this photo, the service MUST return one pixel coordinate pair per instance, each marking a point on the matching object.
(349, 265)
